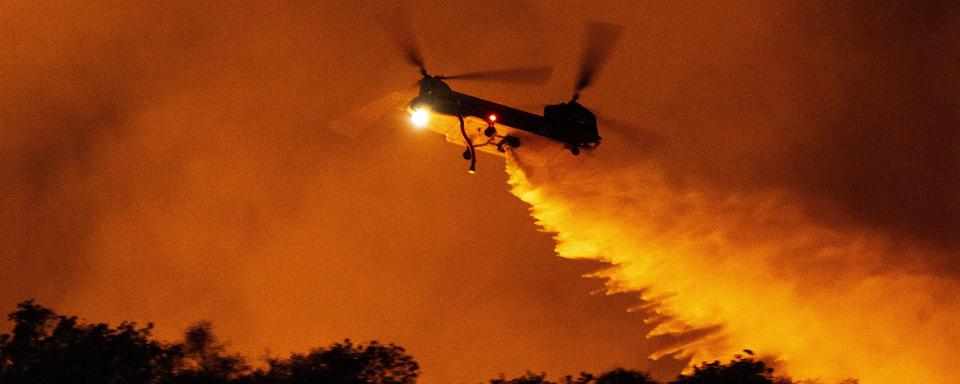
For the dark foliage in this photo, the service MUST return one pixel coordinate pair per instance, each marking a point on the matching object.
(344, 363)
(741, 370)
(203, 359)
(47, 348)
(624, 376)
(527, 378)
(616, 376)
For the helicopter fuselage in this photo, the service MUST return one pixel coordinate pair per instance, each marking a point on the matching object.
(569, 123)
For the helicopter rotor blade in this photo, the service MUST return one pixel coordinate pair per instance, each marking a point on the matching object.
(640, 141)
(600, 40)
(399, 27)
(357, 121)
(527, 75)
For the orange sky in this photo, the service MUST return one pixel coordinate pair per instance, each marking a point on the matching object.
(171, 164)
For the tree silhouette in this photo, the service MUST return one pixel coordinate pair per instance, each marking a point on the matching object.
(740, 370)
(344, 363)
(204, 360)
(47, 348)
(624, 376)
(616, 376)
(526, 378)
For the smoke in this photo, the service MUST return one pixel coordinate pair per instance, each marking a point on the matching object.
(794, 192)
(822, 300)
(170, 163)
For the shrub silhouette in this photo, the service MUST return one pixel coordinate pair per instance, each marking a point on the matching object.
(526, 378)
(202, 359)
(624, 376)
(47, 348)
(740, 370)
(616, 376)
(344, 363)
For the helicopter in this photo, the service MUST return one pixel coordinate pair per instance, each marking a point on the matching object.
(492, 127)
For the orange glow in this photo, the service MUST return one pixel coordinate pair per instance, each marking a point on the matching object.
(751, 267)
(789, 175)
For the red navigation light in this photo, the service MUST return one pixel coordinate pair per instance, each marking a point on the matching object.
(492, 118)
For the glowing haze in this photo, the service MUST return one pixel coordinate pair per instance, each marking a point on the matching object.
(171, 163)
(791, 182)
(749, 270)
(796, 192)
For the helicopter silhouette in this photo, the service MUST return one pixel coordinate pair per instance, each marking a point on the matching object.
(493, 127)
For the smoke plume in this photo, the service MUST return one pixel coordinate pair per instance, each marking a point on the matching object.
(795, 192)
(794, 188)
(170, 163)
(752, 269)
